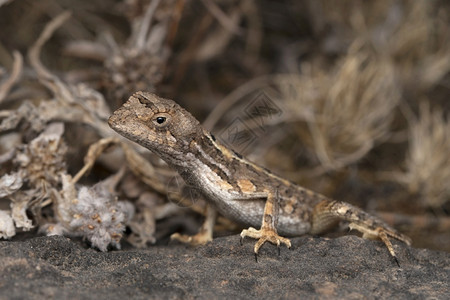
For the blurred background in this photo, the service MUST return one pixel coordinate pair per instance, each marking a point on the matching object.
(347, 98)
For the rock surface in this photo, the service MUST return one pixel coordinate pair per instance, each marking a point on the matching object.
(347, 267)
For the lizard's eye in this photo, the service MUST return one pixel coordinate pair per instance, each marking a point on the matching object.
(161, 119)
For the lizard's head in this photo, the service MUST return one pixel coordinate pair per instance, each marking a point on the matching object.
(159, 124)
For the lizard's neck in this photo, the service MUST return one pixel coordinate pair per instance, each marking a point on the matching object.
(202, 153)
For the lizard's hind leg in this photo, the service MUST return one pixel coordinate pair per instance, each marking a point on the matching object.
(205, 233)
(327, 213)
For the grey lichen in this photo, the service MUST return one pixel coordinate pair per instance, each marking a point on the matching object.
(91, 212)
(98, 216)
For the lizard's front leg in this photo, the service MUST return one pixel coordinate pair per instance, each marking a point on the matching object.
(268, 231)
(205, 234)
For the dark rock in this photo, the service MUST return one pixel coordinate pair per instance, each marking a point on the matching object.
(347, 267)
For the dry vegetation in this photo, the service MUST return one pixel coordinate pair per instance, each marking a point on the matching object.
(349, 98)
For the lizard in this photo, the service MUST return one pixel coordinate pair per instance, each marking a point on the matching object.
(232, 185)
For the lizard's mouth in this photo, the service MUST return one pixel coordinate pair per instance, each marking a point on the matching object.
(123, 123)
(116, 119)
(127, 124)
(112, 121)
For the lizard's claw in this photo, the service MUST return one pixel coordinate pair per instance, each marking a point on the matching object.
(383, 234)
(200, 238)
(265, 235)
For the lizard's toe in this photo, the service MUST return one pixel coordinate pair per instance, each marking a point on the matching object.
(193, 240)
(265, 235)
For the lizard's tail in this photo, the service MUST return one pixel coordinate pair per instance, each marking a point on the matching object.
(328, 212)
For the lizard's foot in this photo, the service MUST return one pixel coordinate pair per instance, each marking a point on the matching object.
(265, 235)
(205, 234)
(328, 212)
(382, 234)
(200, 238)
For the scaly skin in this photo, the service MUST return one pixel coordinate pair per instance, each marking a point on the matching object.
(236, 187)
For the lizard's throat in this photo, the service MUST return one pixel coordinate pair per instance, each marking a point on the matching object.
(175, 158)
